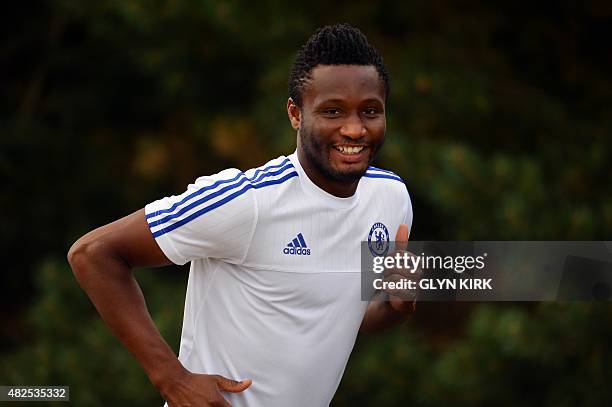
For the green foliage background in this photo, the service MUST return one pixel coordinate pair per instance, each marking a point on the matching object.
(499, 121)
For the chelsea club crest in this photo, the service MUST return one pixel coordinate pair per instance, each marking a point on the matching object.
(378, 240)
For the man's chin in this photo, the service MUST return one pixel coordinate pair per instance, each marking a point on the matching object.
(349, 172)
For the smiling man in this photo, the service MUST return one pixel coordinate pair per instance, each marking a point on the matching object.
(273, 302)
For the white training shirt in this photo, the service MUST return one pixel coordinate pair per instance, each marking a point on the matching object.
(274, 289)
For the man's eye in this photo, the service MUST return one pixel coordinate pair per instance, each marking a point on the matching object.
(332, 111)
(370, 111)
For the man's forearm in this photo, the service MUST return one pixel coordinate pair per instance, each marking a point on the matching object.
(111, 286)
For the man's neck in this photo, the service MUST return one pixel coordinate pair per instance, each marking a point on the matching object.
(341, 189)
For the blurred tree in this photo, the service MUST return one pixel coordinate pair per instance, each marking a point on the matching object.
(69, 345)
(499, 120)
(557, 355)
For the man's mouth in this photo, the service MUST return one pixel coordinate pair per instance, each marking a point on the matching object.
(350, 154)
(349, 150)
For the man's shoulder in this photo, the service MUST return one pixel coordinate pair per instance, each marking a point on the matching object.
(380, 179)
(272, 169)
(385, 183)
(273, 172)
(232, 187)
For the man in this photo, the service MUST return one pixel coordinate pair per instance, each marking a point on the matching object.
(273, 301)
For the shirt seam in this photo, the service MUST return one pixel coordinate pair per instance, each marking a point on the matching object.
(200, 308)
(281, 269)
(166, 239)
(175, 251)
(256, 216)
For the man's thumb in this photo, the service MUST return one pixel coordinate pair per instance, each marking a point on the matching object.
(232, 386)
(401, 237)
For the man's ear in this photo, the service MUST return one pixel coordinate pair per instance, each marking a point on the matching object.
(294, 113)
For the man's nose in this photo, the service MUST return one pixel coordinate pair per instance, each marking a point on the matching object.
(353, 127)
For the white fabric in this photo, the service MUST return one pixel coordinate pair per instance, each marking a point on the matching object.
(286, 321)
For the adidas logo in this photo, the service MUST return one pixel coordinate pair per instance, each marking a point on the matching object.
(297, 246)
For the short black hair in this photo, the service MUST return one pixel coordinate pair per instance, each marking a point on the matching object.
(339, 44)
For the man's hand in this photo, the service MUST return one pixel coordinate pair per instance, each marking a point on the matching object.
(403, 301)
(390, 306)
(191, 389)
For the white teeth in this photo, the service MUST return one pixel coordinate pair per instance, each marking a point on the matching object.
(349, 150)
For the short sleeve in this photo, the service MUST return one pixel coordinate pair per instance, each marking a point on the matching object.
(214, 218)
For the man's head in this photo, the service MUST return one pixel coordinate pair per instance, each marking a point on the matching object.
(337, 92)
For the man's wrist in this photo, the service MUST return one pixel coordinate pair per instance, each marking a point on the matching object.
(401, 307)
(166, 374)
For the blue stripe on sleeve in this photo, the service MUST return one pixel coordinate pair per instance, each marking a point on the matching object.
(214, 195)
(221, 202)
(387, 176)
(211, 187)
(382, 170)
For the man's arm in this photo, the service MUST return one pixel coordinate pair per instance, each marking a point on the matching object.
(390, 307)
(102, 263)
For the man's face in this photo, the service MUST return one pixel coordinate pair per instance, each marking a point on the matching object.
(342, 120)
